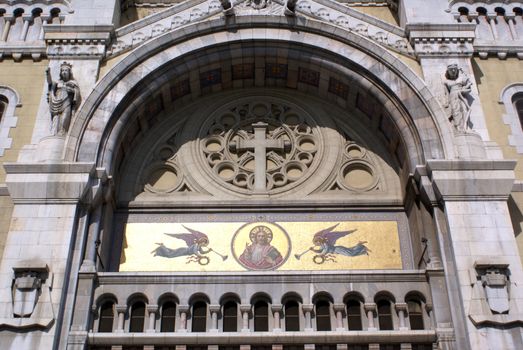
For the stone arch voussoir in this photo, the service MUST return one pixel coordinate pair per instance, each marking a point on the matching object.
(92, 134)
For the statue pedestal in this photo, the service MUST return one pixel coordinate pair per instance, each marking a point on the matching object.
(50, 148)
(469, 145)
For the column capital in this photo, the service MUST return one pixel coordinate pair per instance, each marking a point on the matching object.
(120, 308)
(369, 307)
(401, 307)
(276, 308)
(338, 307)
(152, 308)
(307, 307)
(183, 308)
(245, 308)
(215, 308)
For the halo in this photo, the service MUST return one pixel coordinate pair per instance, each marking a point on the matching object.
(264, 229)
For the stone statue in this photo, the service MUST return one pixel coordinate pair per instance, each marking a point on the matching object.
(458, 87)
(63, 97)
(227, 7)
(257, 4)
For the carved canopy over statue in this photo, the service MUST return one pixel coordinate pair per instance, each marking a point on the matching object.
(458, 87)
(63, 97)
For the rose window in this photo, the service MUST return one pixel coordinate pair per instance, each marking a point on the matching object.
(260, 147)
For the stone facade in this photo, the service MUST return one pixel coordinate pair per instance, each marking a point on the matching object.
(116, 114)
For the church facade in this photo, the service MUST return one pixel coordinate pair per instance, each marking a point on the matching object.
(261, 174)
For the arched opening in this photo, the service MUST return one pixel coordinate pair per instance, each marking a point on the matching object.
(168, 317)
(106, 318)
(292, 316)
(261, 316)
(137, 317)
(384, 307)
(179, 146)
(230, 316)
(517, 100)
(323, 315)
(199, 316)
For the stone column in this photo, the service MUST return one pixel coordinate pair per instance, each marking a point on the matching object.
(276, 310)
(215, 312)
(339, 309)
(370, 309)
(492, 21)
(5, 32)
(120, 311)
(23, 33)
(511, 25)
(184, 312)
(245, 310)
(152, 310)
(401, 309)
(307, 310)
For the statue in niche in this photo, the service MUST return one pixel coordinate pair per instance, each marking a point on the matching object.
(63, 97)
(458, 87)
(257, 4)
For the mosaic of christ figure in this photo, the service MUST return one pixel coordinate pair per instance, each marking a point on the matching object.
(260, 254)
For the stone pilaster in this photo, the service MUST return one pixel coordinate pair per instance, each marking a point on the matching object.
(479, 238)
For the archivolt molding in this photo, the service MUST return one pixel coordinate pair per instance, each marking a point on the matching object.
(91, 143)
(511, 116)
(194, 11)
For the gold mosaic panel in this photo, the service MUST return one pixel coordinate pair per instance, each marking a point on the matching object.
(261, 246)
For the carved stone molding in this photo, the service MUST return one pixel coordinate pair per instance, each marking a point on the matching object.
(86, 42)
(179, 15)
(31, 298)
(442, 41)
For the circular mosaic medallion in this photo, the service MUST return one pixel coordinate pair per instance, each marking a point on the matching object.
(261, 246)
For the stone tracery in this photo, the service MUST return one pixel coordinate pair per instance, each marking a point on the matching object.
(235, 165)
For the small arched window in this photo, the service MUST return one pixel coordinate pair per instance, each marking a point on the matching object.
(517, 100)
(261, 316)
(137, 318)
(3, 106)
(230, 316)
(168, 317)
(385, 315)
(292, 316)
(354, 315)
(415, 314)
(199, 316)
(105, 322)
(323, 316)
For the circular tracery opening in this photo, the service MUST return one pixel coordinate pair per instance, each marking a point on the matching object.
(260, 146)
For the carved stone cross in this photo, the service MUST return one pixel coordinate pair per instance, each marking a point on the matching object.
(260, 145)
